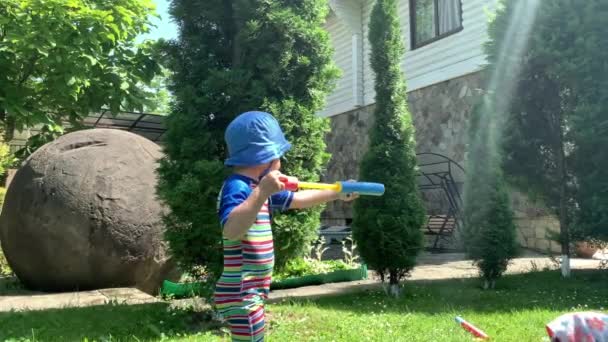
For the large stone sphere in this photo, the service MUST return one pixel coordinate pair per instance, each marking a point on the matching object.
(81, 213)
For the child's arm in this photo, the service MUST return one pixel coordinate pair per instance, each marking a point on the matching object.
(310, 198)
(243, 216)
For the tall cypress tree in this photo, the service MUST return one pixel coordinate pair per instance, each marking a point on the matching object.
(233, 56)
(388, 228)
(489, 227)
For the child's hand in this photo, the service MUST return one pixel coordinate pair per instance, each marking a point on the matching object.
(350, 196)
(271, 184)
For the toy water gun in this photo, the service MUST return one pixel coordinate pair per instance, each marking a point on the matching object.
(471, 328)
(362, 188)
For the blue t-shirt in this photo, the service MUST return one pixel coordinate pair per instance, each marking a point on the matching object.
(236, 190)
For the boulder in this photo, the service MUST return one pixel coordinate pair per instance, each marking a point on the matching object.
(82, 213)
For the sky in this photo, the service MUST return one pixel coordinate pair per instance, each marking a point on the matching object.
(165, 28)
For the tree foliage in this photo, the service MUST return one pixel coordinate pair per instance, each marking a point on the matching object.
(536, 119)
(582, 73)
(231, 57)
(489, 229)
(62, 59)
(388, 229)
(557, 119)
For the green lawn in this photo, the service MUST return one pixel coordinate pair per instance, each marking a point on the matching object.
(516, 311)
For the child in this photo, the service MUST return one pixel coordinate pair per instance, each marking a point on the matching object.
(255, 145)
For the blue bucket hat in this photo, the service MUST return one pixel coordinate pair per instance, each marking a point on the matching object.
(254, 138)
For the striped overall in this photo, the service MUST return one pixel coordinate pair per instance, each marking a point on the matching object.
(245, 282)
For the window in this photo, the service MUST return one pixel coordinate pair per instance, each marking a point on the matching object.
(432, 20)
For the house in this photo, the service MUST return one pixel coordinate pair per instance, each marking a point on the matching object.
(444, 56)
(442, 64)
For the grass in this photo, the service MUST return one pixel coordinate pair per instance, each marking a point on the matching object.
(149, 322)
(516, 311)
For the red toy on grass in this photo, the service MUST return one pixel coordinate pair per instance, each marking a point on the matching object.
(471, 328)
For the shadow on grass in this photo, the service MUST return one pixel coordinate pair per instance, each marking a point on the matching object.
(145, 322)
(537, 290)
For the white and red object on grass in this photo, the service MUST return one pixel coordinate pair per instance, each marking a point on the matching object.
(471, 328)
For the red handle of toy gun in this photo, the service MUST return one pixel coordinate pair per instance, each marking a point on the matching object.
(290, 184)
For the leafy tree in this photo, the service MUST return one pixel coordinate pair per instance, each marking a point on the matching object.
(537, 138)
(62, 59)
(579, 54)
(556, 121)
(388, 229)
(230, 57)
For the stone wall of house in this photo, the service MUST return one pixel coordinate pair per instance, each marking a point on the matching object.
(535, 225)
(440, 113)
(347, 142)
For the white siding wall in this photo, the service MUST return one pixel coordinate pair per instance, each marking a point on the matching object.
(342, 99)
(450, 57)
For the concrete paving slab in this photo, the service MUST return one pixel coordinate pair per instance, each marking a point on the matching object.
(74, 299)
(128, 295)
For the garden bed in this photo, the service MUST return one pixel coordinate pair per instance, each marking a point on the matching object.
(297, 274)
(354, 274)
(182, 290)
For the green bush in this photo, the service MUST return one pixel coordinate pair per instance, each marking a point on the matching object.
(387, 229)
(7, 160)
(5, 269)
(304, 266)
(233, 57)
(489, 228)
(2, 195)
